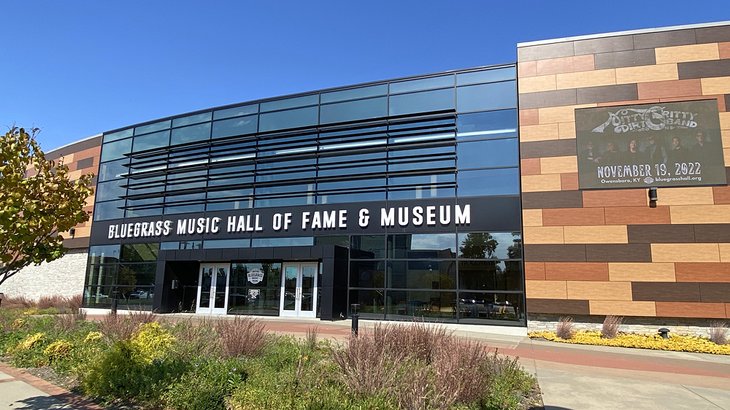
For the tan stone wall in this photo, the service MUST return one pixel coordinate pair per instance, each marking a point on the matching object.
(606, 252)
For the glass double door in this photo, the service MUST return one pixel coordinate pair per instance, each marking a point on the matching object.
(213, 288)
(299, 290)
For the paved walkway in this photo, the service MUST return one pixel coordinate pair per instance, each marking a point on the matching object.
(570, 376)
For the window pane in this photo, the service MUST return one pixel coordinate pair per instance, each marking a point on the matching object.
(276, 242)
(260, 297)
(488, 182)
(486, 76)
(132, 275)
(110, 190)
(113, 169)
(485, 97)
(150, 141)
(367, 274)
(223, 206)
(484, 125)
(298, 200)
(490, 245)
(183, 209)
(351, 197)
(354, 110)
(191, 119)
(367, 247)
(236, 111)
(288, 119)
(191, 133)
(133, 213)
(422, 84)
(140, 252)
(423, 305)
(115, 150)
(103, 254)
(144, 129)
(108, 210)
(372, 303)
(118, 135)
(290, 103)
(235, 126)
(424, 101)
(339, 240)
(101, 275)
(422, 192)
(487, 154)
(490, 275)
(363, 92)
(478, 307)
(426, 274)
(226, 243)
(415, 246)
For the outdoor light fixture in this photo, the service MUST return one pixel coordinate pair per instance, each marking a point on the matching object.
(652, 197)
(72, 232)
(664, 333)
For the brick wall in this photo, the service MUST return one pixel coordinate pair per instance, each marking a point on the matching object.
(605, 252)
(82, 158)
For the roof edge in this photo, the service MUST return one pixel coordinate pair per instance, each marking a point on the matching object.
(73, 143)
(622, 33)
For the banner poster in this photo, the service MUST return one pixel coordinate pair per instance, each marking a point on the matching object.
(650, 145)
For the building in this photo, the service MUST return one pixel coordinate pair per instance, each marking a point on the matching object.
(588, 179)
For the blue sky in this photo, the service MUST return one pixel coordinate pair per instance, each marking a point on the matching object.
(79, 68)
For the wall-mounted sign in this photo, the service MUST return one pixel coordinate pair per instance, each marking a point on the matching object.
(501, 213)
(638, 146)
(255, 276)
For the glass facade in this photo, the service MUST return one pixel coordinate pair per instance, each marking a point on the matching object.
(447, 136)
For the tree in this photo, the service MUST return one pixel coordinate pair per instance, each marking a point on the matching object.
(37, 202)
(478, 246)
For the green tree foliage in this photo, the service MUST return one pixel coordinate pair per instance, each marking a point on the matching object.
(478, 246)
(37, 201)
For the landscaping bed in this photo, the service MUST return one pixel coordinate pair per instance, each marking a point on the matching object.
(141, 360)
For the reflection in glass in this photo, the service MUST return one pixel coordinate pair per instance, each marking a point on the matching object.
(484, 125)
(488, 154)
(309, 274)
(104, 254)
(235, 126)
(367, 247)
(140, 252)
(236, 111)
(420, 102)
(486, 76)
(205, 287)
(157, 126)
(422, 246)
(486, 97)
(490, 275)
(422, 84)
(354, 110)
(291, 273)
(118, 135)
(255, 288)
(115, 150)
(490, 245)
(299, 117)
(191, 119)
(474, 307)
(424, 274)
(190, 134)
(372, 303)
(409, 305)
(108, 210)
(367, 274)
(220, 287)
(504, 181)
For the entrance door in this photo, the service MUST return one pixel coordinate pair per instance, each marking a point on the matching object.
(299, 290)
(213, 289)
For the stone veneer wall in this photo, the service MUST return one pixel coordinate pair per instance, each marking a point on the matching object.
(63, 277)
(605, 252)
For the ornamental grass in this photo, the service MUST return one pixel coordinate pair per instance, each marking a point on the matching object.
(678, 343)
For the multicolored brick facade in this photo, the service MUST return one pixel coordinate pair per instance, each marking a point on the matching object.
(606, 252)
(81, 157)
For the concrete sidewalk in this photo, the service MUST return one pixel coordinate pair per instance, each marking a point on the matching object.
(21, 390)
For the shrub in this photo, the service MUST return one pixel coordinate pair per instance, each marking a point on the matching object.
(205, 386)
(121, 327)
(196, 340)
(564, 329)
(242, 336)
(17, 302)
(57, 302)
(75, 303)
(119, 374)
(152, 342)
(57, 350)
(610, 327)
(311, 337)
(93, 337)
(718, 333)
(30, 341)
(509, 386)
